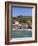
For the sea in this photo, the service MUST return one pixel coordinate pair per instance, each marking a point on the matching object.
(21, 34)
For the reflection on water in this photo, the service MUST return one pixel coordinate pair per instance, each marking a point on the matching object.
(21, 33)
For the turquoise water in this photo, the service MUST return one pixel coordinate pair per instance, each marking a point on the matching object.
(21, 34)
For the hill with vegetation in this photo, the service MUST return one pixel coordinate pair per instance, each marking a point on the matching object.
(22, 19)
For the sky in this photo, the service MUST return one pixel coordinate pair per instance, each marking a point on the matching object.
(16, 11)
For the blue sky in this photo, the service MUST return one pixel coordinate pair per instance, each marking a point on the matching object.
(16, 11)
